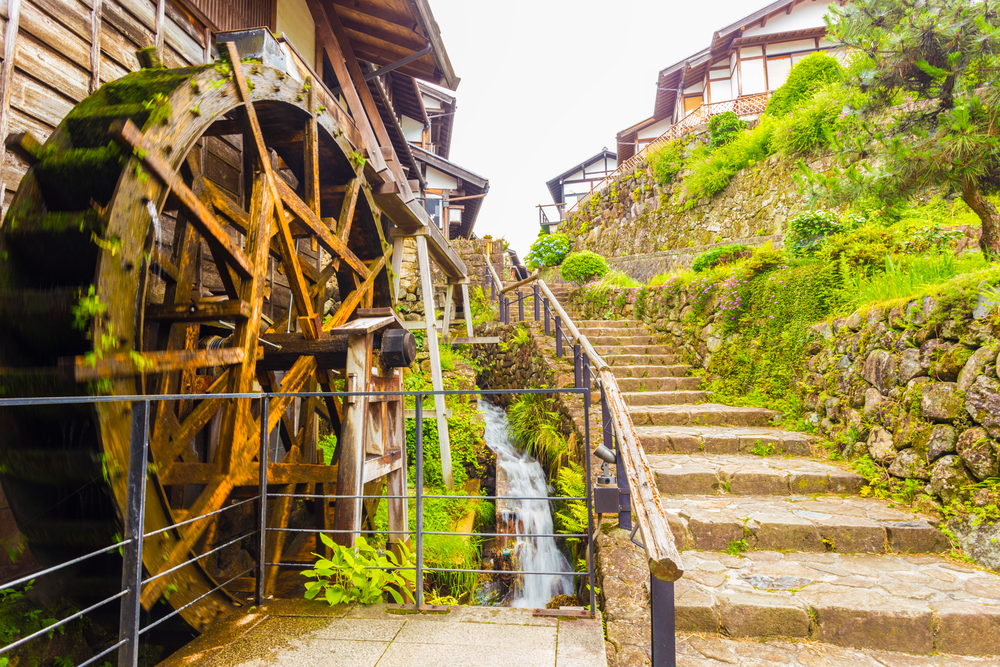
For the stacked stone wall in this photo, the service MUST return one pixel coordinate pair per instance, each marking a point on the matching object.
(472, 252)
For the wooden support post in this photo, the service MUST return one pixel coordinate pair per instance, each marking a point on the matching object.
(397, 261)
(350, 475)
(6, 84)
(95, 44)
(160, 8)
(449, 298)
(427, 287)
(466, 308)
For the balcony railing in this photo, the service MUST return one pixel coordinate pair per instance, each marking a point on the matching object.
(748, 105)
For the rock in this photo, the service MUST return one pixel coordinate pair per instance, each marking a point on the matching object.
(978, 452)
(975, 365)
(909, 465)
(823, 329)
(881, 370)
(928, 306)
(950, 363)
(982, 402)
(940, 400)
(914, 313)
(873, 401)
(910, 365)
(941, 441)
(987, 302)
(880, 446)
(980, 541)
(930, 350)
(855, 322)
(951, 329)
(949, 479)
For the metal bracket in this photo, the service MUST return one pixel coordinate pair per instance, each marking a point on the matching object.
(631, 537)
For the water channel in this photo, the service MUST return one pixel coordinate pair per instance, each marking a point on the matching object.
(525, 478)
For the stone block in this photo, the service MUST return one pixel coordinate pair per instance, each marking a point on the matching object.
(695, 611)
(915, 537)
(848, 534)
(760, 482)
(978, 452)
(761, 615)
(714, 532)
(686, 481)
(781, 531)
(982, 402)
(966, 628)
(940, 401)
(859, 618)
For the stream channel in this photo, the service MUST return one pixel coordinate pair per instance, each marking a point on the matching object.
(520, 476)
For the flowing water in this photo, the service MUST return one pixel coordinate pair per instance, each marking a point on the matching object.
(155, 219)
(527, 479)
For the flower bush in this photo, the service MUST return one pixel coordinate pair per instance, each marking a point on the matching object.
(582, 266)
(548, 250)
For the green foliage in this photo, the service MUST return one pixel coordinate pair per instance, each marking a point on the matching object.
(723, 128)
(534, 427)
(570, 516)
(356, 574)
(808, 76)
(808, 230)
(762, 449)
(547, 250)
(465, 429)
(905, 278)
(726, 254)
(667, 161)
(582, 266)
(447, 357)
(712, 170)
(736, 547)
(825, 117)
(482, 309)
(87, 308)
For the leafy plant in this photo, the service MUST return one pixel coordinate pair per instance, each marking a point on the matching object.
(711, 171)
(723, 128)
(726, 254)
(579, 267)
(808, 230)
(808, 76)
(736, 547)
(548, 250)
(666, 161)
(762, 449)
(359, 573)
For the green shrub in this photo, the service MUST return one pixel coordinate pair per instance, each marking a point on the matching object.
(807, 230)
(711, 171)
(579, 267)
(725, 254)
(803, 81)
(548, 250)
(359, 574)
(813, 123)
(723, 128)
(863, 248)
(764, 258)
(667, 161)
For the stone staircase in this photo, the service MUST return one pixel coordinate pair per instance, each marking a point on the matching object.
(777, 541)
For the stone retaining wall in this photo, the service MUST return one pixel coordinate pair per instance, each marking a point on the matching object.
(411, 304)
(644, 267)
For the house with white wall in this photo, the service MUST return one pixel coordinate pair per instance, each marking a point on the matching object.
(575, 183)
(737, 71)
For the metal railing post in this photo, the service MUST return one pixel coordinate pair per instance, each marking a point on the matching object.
(586, 373)
(135, 506)
(493, 291)
(520, 306)
(590, 499)
(505, 310)
(548, 329)
(418, 413)
(559, 337)
(661, 621)
(535, 299)
(577, 367)
(624, 499)
(263, 457)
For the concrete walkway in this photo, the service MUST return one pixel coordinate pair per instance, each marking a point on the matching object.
(299, 633)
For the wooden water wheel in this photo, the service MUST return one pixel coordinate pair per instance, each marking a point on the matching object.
(130, 264)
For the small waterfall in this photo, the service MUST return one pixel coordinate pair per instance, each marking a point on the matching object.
(155, 219)
(527, 479)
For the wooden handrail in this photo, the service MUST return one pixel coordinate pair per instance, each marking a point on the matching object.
(661, 552)
(522, 283)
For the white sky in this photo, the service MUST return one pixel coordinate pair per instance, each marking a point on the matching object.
(547, 83)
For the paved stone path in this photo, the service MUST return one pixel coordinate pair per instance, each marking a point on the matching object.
(808, 560)
(297, 633)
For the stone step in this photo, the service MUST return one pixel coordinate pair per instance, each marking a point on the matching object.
(716, 440)
(620, 348)
(704, 414)
(658, 384)
(642, 359)
(607, 324)
(746, 475)
(675, 371)
(664, 397)
(915, 604)
(621, 340)
(799, 523)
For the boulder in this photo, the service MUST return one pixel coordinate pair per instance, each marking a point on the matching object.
(949, 479)
(873, 401)
(947, 367)
(910, 365)
(881, 370)
(880, 446)
(909, 465)
(987, 302)
(952, 329)
(930, 350)
(855, 321)
(940, 441)
(940, 401)
(978, 452)
(914, 313)
(978, 540)
(982, 402)
(976, 364)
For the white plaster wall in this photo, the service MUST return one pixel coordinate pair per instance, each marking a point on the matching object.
(655, 130)
(439, 180)
(295, 22)
(788, 47)
(806, 15)
(752, 73)
(413, 130)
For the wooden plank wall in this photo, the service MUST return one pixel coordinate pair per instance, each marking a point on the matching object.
(56, 63)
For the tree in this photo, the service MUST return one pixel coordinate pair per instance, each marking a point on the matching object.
(929, 70)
